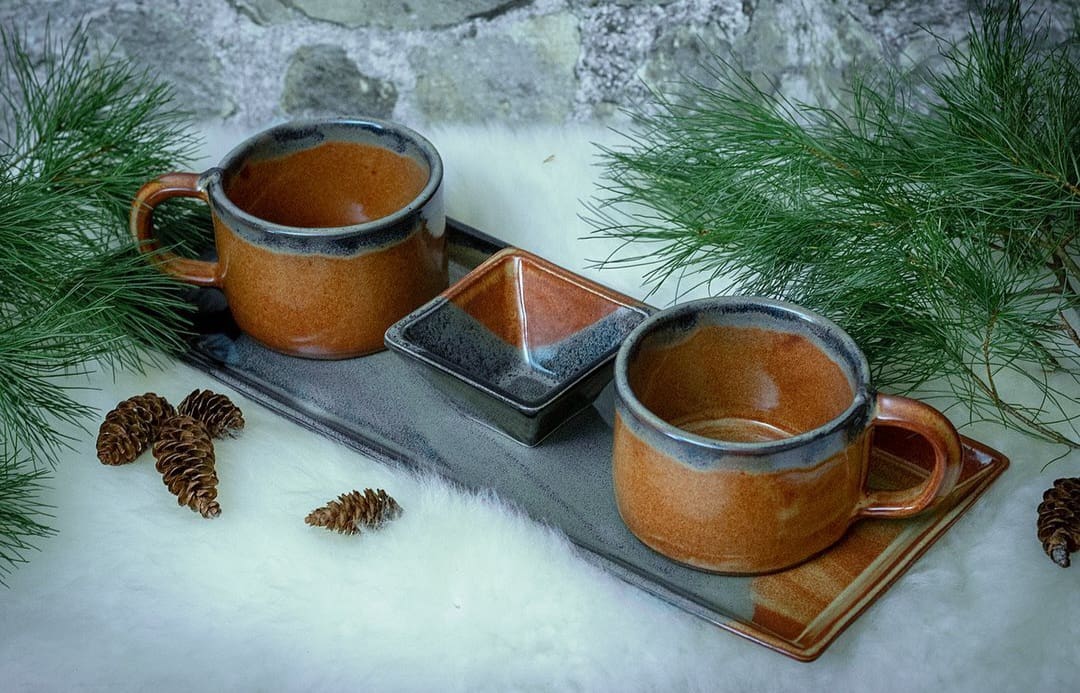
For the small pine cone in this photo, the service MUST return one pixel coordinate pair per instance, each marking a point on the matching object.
(1059, 520)
(216, 411)
(353, 510)
(131, 427)
(185, 458)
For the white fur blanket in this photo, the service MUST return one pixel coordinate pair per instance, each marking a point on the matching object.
(463, 593)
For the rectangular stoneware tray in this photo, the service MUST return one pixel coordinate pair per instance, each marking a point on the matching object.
(382, 407)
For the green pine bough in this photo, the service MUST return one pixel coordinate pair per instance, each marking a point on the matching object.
(78, 135)
(936, 217)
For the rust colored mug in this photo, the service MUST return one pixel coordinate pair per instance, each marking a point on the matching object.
(742, 436)
(327, 232)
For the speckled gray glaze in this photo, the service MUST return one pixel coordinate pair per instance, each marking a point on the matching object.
(805, 449)
(524, 390)
(388, 411)
(425, 210)
(529, 377)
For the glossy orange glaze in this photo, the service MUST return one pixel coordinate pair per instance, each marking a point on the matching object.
(787, 603)
(321, 306)
(737, 384)
(730, 520)
(528, 302)
(330, 185)
(741, 383)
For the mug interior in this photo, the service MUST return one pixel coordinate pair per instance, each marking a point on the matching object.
(326, 175)
(744, 375)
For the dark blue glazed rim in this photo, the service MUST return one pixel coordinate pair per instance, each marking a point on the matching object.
(700, 451)
(303, 134)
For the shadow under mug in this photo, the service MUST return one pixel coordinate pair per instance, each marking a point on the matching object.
(327, 232)
(742, 436)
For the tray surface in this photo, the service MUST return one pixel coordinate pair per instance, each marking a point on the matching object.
(379, 405)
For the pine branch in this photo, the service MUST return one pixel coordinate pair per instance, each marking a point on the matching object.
(80, 134)
(20, 510)
(935, 217)
(37, 353)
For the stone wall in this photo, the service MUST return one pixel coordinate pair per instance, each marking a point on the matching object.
(248, 62)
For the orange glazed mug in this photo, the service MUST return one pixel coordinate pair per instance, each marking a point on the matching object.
(327, 232)
(743, 432)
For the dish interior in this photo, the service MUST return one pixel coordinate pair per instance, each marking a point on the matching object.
(522, 329)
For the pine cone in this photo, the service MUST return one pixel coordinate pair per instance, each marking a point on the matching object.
(216, 411)
(185, 458)
(131, 427)
(1059, 520)
(351, 510)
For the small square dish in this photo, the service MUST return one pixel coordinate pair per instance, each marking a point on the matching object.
(519, 343)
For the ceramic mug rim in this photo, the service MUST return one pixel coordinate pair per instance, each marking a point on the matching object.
(211, 179)
(855, 415)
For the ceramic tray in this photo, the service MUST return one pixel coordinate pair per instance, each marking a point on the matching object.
(380, 406)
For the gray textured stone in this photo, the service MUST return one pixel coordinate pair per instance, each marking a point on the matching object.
(619, 3)
(322, 80)
(805, 50)
(687, 50)
(525, 74)
(626, 49)
(615, 44)
(413, 14)
(170, 45)
(498, 60)
(263, 12)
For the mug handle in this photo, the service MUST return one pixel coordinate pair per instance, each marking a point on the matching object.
(150, 195)
(930, 424)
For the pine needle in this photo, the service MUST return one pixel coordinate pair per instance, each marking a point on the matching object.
(80, 133)
(20, 510)
(936, 217)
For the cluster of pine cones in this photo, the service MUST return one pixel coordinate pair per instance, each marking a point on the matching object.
(181, 439)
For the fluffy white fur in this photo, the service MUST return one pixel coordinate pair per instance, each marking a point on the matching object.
(463, 592)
